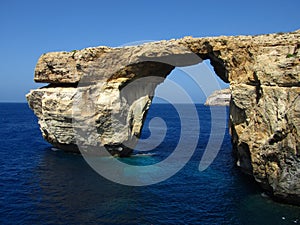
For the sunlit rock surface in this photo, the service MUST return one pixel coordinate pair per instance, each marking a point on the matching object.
(219, 98)
(89, 86)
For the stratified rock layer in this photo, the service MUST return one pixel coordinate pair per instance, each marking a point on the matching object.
(263, 72)
(219, 98)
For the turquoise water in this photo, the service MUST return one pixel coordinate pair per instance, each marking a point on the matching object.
(39, 185)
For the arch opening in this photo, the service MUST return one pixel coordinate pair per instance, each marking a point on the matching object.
(198, 82)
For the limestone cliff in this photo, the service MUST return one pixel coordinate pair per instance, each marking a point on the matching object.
(219, 98)
(264, 76)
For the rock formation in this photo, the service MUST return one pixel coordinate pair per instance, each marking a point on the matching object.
(219, 98)
(263, 72)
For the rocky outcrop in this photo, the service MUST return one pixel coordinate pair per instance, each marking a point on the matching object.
(219, 98)
(102, 87)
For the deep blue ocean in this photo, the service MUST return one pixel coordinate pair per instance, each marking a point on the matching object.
(41, 186)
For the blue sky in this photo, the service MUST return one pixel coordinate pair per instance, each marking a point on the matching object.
(31, 28)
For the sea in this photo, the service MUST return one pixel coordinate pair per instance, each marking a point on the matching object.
(40, 184)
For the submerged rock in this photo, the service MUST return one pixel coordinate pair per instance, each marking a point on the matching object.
(219, 98)
(90, 89)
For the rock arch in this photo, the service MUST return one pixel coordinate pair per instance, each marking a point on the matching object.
(263, 72)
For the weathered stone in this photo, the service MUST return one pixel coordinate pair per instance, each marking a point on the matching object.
(53, 107)
(266, 136)
(219, 98)
(264, 77)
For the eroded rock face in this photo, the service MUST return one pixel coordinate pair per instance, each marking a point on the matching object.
(219, 98)
(264, 76)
